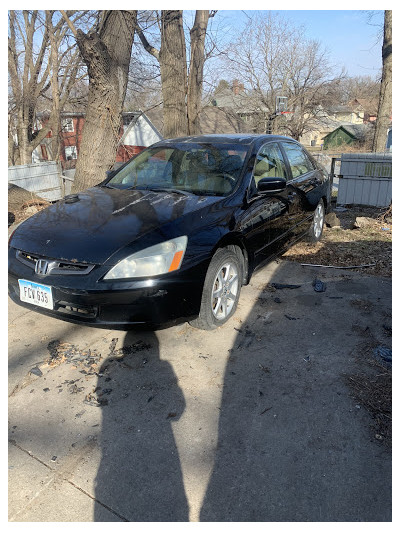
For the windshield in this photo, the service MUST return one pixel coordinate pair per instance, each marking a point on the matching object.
(206, 169)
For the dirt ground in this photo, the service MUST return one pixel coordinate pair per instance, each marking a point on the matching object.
(353, 237)
(364, 237)
(254, 421)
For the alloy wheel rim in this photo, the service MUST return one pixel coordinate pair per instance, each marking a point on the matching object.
(225, 290)
(318, 221)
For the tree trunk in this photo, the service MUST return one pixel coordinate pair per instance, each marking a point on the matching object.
(197, 59)
(385, 96)
(55, 91)
(172, 59)
(107, 54)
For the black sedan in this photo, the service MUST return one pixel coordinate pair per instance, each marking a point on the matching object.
(172, 234)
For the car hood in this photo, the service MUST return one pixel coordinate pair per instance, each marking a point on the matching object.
(93, 225)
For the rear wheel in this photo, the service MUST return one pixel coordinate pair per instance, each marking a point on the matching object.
(221, 290)
(317, 225)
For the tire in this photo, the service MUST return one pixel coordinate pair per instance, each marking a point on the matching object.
(317, 226)
(221, 290)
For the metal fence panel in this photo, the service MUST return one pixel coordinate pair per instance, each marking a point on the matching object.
(43, 179)
(68, 180)
(365, 179)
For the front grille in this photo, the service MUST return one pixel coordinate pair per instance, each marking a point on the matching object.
(53, 266)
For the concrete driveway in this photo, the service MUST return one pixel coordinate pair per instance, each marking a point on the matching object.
(250, 422)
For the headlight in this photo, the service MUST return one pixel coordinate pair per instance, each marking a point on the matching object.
(159, 259)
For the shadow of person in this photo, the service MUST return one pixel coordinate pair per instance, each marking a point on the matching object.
(139, 477)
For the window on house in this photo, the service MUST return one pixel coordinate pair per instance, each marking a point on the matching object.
(67, 124)
(70, 153)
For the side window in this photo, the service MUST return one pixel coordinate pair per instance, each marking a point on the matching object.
(269, 163)
(298, 160)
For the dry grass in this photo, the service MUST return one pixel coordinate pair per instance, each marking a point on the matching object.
(347, 246)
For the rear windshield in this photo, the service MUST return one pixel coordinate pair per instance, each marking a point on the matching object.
(206, 169)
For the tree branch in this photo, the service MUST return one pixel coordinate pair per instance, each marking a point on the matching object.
(70, 23)
(146, 45)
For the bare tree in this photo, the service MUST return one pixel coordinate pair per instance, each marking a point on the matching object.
(385, 96)
(352, 87)
(62, 58)
(106, 52)
(42, 66)
(273, 58)
(28, 78)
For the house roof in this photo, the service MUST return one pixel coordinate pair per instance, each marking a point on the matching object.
(339, 109)
(242, 102)
(212, 120)
(369, 106)
(357, 131)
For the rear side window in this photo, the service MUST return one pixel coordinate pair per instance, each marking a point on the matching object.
(298, 160)
(269, 163)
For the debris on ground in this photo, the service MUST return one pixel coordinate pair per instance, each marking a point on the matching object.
(247, 337)
(352, 267)
(65, 352)
(95, 400)
(112, 345)
(384, 355)
(373, 390)
(363, 222)
(36, 371)
(264, 369)
(347, 246)
(74, 389)
(319, 286)
(130, 350)
(284, 286)
(22, 204)
(332, 220)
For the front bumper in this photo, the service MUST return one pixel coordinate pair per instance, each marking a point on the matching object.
(115, 305)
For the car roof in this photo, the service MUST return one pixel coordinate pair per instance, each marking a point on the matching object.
(235, 138)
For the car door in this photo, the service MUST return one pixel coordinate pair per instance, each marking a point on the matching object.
(304, 186)
(267, 216)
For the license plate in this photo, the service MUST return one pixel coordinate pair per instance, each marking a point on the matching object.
(35, 293)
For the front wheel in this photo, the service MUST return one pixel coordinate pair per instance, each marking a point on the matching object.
(317, 225)
(221, 290)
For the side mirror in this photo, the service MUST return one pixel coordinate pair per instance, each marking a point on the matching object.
(271, 185)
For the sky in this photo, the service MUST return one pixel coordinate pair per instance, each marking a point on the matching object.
(352, 39)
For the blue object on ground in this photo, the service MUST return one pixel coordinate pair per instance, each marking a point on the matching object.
(384, 354)
(319, 286)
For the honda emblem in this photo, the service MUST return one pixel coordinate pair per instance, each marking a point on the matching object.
(41, 267)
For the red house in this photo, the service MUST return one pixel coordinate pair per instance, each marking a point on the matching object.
(136, 133)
